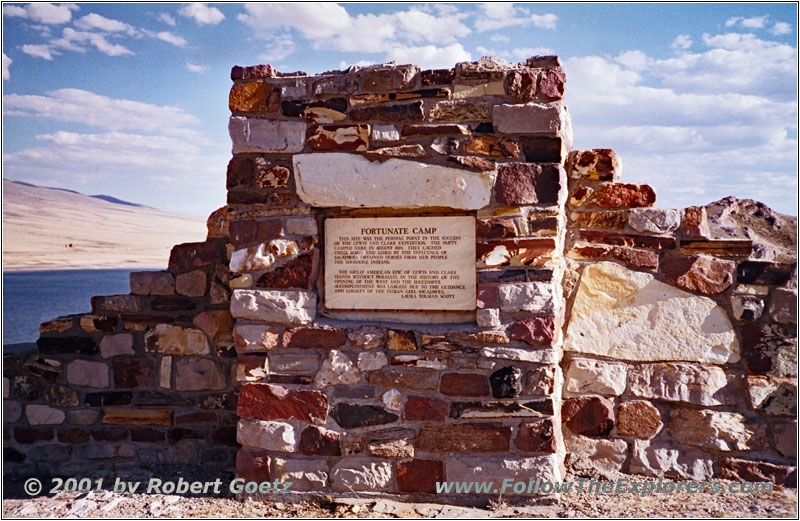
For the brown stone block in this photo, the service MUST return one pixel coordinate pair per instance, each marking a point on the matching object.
(192, 284)
(29, 435)
(527, 183)
(273, 402)
(298, 273)
(254, 97)
(401, 112)
(148, 435)
(478, 164)
(638, 419)
(258, 71)
(214, 322)
(110, 434)
(518, 252)
(73, 436)
(419, 380)
(399, 340)
(192, 255)
(464, 384)
(705, 275)
(134, 372)
(353, 416)
(408, 151)
(81, 345)
(383, 78)
(520, 85)
(432, 77)
(695, 223)
(758, 471)
(627, 239)
(420, 408)
(717, 247)
(314, 338)
(580, 195)
(760, 272)
(492, 146)
(138, 416)
(241, 172)
(537, 436)
(95, 323)
(605, 220)
(464, 437)
(468, 410)
(459, 111)
(107, 399)
(495, 228)
(419, 476)
(316, 441)
(341, 138)
(542, 149)
(196, 417)
(253, 466)
(599, 164)
(591, 416)
(247, 231)
(636, 258)
(623, 196)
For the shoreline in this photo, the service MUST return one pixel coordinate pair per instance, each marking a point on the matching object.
(145, 266)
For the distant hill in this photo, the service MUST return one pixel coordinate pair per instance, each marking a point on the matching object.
(56, 228)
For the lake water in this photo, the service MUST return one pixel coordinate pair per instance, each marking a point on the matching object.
(32, 297)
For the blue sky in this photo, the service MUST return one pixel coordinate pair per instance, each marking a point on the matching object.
(130, 100)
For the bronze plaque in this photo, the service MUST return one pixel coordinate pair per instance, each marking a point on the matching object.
(400, 263)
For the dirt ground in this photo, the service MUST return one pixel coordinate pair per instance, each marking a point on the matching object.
(782, 503)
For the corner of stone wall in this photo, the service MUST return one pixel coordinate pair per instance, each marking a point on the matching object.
(681, 343)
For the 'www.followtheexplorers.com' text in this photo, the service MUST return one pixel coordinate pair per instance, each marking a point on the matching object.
(592, 486)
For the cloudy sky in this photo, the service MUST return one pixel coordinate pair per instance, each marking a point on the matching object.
(130, 100)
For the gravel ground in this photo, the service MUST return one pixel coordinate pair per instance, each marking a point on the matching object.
(782, 503)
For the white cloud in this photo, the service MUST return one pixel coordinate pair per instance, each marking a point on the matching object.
(42, 12)
(430, 56)
(81, 106)
(169, 37)
(95, 21)
(545, 21)
(756, 22)
(39, 51)
(199, 69)
(6, 65)
(202, 14)
(167, 19)
(331, 27)
(722, 121)
(500, 38)
(70, 38)
(781, 28)
(682, 41)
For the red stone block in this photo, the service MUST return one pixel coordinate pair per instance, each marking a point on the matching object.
(419, 476)
(339, 138)
(464, 384)
(552, 83)
(705, 275)
(272, 402)
(315, 441)
(253, 466)
(624, 196)
(249, 231)
(636, 258)
(147, 435)
(110, 434)
(464, 437)
(487, 297)
(193, 255)
(695, 223)
(314, 338)
(638, 419)
(298, 273)
(527, 183)
(389, 79)
(425, 409)
(520, 85)
(134, 372)
(535, 331)
(591, 416)
(538, 436)
(437, 77)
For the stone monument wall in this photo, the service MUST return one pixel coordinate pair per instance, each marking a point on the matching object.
(414, 280)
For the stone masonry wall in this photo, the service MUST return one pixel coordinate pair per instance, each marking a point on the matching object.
(607, 335)
(681, 347)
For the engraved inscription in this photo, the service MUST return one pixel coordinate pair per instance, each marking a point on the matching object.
(403, 263)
